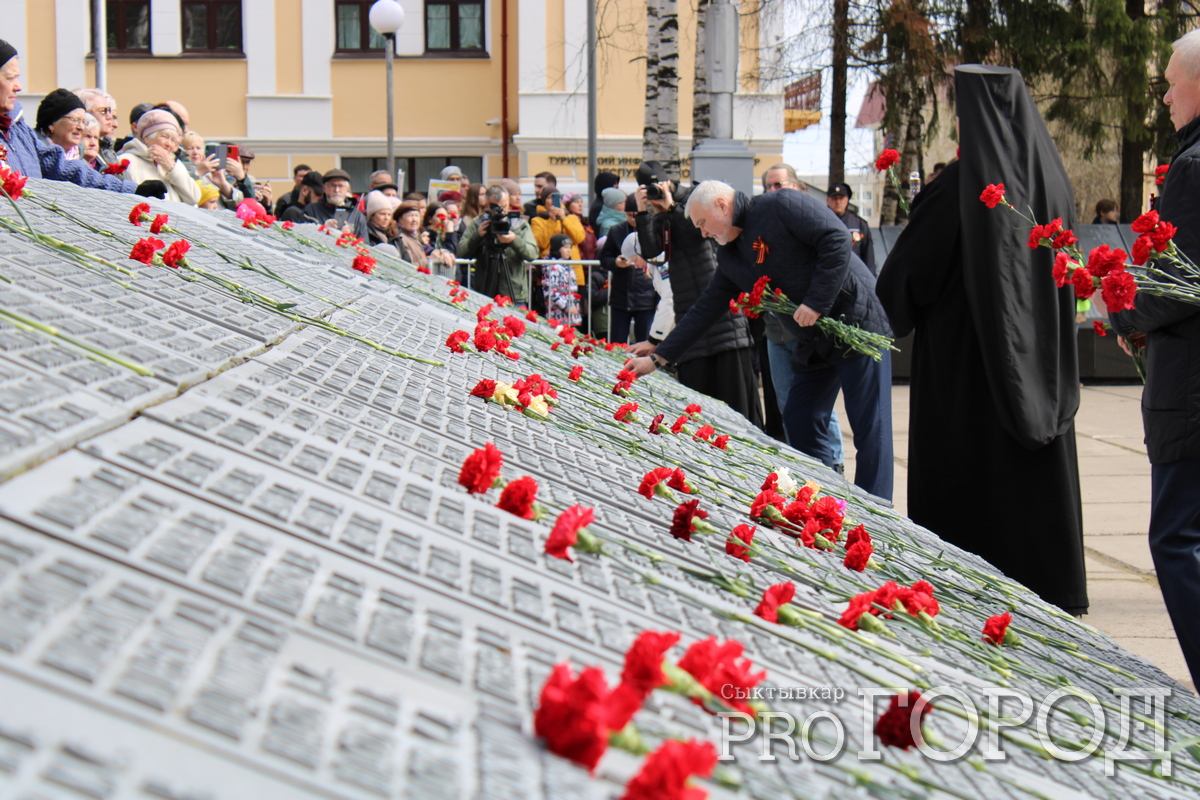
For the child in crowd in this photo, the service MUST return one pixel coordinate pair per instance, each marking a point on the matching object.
(558, 283)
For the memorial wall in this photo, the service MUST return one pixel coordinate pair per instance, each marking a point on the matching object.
(237, 561)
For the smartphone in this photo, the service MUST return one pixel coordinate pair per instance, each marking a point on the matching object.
(210, 150)
(556, 200)
(232, 150)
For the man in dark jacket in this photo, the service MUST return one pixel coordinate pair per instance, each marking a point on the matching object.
(838, 200)
(719, 360)
(337, 207)
(311, 190)
(1171, 398)
(631, 295)
(25, 152)
(805, 250)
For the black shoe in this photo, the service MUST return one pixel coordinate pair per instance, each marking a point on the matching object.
(840, 469)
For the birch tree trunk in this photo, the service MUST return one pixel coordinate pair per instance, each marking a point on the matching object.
(668, 85)
(701, 110)
(650, 138)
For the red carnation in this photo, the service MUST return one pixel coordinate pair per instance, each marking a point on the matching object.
(920, 598)
(517, 498)
(995, 629)
(485, 389)
(857, 556)
(364, 264)
(145, 250)
(656, 423)
(1146, 222)
(652, 483)
(1162, 236)
(483, 312)
(576, 373)
(768, 506)
(1048, 231)
(566, 530)
(743, 534)
(1118, 291)
(886, 159)
(1142, 248)
(677, 426)
(1099, 327)
(624, 412)
(895, 726)
(13, 182)
(572, 715)
(679, 481)
(1059, 271)
(641, 675)
(775, 596)
(455, 340)
(514, 326)
(485, 339)
(118, 168)
(481, 469)
(1160, 173)
(174, 255)
(1103, 260)
(139, 214)
(287, 224)
(1064, 239)
(1081, 279)
(686, 518)
(531, 315)
(721, 442)
(665, 773)
(717, 668)
(857, 534)
(704, 433)
(160, 221)
(503, 300)
(693, 410)
(993, 195)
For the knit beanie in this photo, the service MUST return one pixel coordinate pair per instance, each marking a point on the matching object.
(378, 201)
(55, 106)
(207, 192)
(613, 197)
(556, 243)
(155, 120)
(7, 52)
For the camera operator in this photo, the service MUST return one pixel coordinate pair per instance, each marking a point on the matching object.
(720, 363)
(500, 245)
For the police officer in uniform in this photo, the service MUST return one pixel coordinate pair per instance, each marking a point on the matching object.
(838, 200)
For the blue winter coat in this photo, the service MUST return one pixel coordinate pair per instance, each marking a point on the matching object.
(33, 158)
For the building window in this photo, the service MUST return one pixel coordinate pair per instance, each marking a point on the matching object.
(212, 26)
(454, 26)
(128, 26)
(354, 31)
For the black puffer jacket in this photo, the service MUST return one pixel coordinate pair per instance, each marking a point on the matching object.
(805, 249)
(630, 289)
(693, 264)
(1171, 399)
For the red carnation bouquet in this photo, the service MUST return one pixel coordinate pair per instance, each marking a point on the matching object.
(886, 162)
(762, 298)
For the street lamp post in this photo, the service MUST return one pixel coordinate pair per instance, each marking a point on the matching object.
(386, 17)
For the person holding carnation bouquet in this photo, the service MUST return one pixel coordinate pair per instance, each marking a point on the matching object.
(995, 379)
(1170, 332)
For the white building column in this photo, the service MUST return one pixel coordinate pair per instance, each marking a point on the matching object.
(258, 43)
(531, 55)
(72, 42)
(13, 14)
(166, 28)
(317, 37)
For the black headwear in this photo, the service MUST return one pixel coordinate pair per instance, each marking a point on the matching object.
(7, 52)
(651, 172)
(1025, 324)
(604, 180)
(55, 106)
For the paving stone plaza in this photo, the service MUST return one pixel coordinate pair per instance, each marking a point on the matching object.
(250, 572)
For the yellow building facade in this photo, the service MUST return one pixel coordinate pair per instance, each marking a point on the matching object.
(303, 81)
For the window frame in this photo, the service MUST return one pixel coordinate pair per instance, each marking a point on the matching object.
(456, 50)
(364, 33)
(118, 22)
(211, 50)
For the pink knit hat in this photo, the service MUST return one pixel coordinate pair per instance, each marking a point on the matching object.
(154, 121)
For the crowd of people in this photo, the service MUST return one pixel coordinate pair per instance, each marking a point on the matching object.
(995, 385)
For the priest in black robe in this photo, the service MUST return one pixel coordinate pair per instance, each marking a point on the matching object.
(995, 375)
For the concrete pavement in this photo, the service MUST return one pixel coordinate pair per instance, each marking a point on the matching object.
(1115, 479)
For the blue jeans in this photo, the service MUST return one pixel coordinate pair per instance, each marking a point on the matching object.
(867, 387)
(780, 358)
(642, 320)
(1175, 547)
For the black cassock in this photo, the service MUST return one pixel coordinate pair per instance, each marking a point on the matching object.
(994, 389)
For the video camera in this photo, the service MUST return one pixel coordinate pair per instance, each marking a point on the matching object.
(498, 219)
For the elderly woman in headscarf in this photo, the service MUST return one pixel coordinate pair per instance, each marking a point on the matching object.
(992, 465)
(60, 121)
(152, 156)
